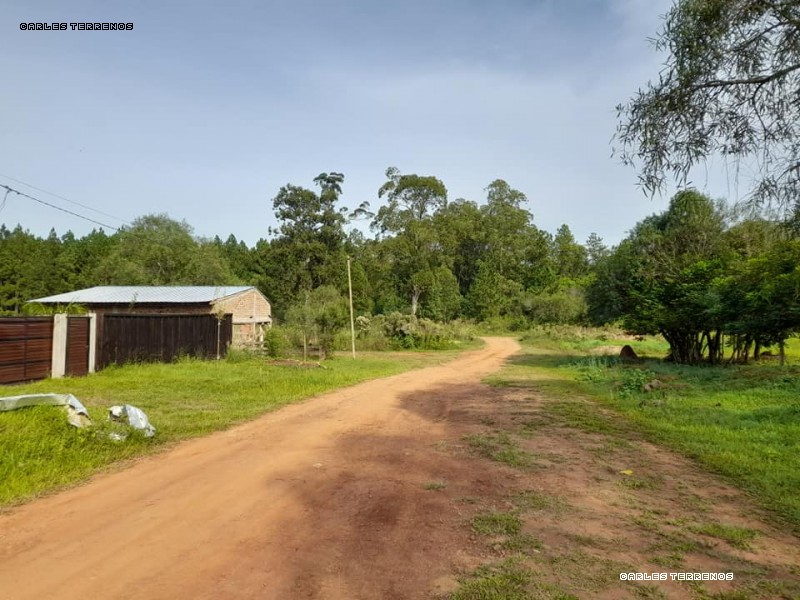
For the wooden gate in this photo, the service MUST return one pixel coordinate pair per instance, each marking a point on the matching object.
(77, 362)
(26, 348)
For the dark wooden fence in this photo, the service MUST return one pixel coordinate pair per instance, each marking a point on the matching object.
(26, 348)
(125, 338)
(77, 360)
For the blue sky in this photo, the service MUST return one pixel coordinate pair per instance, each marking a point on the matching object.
(206, 109)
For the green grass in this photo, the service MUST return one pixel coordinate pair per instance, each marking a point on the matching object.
(435, 485)
(742, 421)
(40, 452)
(500, 447)
(496, 523)
(538, 501)
(738, 537)
(508, 580)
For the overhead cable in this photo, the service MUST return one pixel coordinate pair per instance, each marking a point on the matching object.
(69, 212)
(60, 197)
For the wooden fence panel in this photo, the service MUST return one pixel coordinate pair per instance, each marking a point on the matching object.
(26, 348)
(77, 361)
(125, 338)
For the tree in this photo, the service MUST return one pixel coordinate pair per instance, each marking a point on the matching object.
(157, 250)
(410, 197)
(308, 251)
(596, 250)
(729, 86)
(80, 257)
(414, 251)
(661, 278)
(238, 256)
(321, 313)
(26, 267)
(570, 259)
(459, 232)
(761, 299)
(492, 295)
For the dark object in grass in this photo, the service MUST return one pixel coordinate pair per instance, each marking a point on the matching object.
(628, 353)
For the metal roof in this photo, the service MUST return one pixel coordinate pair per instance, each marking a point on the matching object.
(145, 294)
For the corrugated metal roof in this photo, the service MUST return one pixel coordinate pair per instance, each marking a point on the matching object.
(144, 294)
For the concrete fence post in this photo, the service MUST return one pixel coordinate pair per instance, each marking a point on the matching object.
(58, 366)
(92, 341)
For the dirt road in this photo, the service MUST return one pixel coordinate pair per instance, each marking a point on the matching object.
(325, 499)
(375, 492)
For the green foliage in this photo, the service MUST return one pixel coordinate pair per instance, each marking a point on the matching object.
(308, 250)
(508, 580)
(729, 87)
(492, 294)
(633, 382)
(407, 331)
(156, 250)
(558, 308)
(438, 260)
(496, 523)
(410, 198)
(570, 258)
(501, 448)
(320, 316)
(677, 275)
(36, 309)
(274, 342)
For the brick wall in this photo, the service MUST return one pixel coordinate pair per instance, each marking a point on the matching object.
(251, 313)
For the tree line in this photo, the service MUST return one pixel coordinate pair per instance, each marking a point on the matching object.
(716, 286)
(427, 255)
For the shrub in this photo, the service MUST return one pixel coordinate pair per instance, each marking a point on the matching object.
(275, 342)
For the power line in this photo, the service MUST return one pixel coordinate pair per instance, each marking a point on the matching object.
(3, 203)
(69, 212)
(105, 214)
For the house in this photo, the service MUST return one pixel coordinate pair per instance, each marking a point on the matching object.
(250, 309)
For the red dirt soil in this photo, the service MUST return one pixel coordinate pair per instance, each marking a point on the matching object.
(367, 493)
(322, 499)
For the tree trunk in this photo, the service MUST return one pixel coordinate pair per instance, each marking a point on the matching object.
(415, 294)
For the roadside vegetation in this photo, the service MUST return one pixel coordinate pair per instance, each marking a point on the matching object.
(40, 452)
(742, 421)
(575, 440)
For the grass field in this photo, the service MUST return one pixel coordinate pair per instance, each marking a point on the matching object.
(40, 452)
(740, 421)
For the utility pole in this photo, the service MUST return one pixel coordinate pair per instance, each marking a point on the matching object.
(352, 321)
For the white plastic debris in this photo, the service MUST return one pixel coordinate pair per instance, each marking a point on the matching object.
(135, 416)
(77, 415)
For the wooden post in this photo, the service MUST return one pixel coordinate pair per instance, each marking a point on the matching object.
(352, 321)
(219, 327)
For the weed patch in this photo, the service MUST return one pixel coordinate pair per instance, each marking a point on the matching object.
(532, 500)
(504, 581)
(500, 447)
(738, 537)
(435, 485)
(496, 523)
